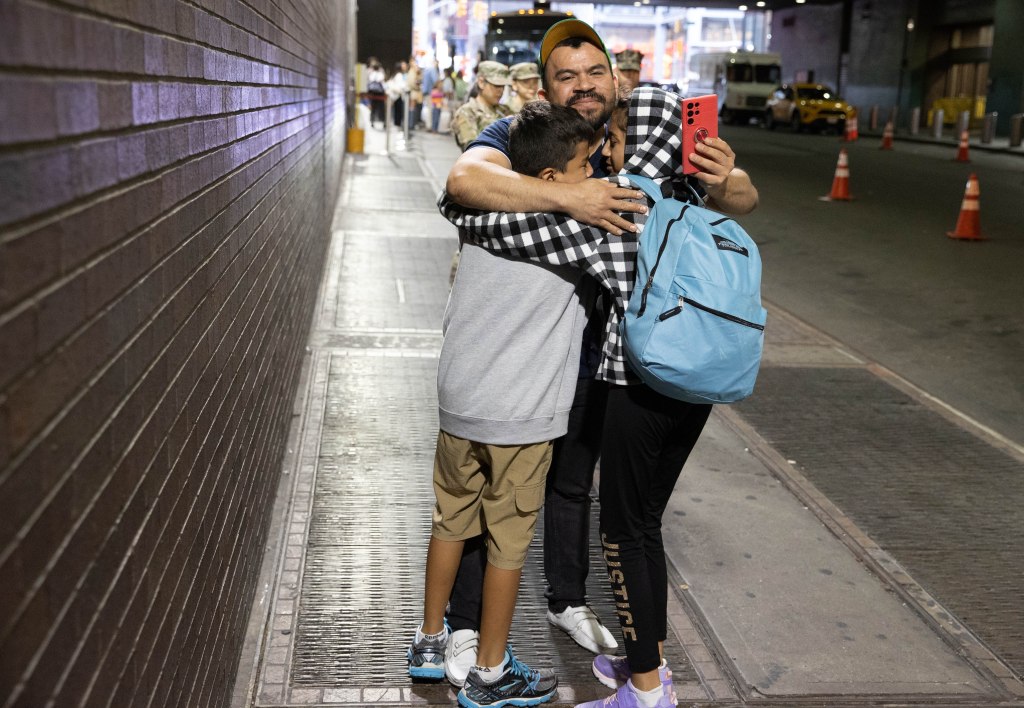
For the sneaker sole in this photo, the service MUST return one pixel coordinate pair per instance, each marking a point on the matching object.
(467, 702)
(608, 681)
(426, 672)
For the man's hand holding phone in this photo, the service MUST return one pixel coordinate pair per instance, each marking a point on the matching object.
(700, 126)
(710, 159)
(714, 160)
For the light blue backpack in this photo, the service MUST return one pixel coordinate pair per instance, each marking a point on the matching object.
(694, 325)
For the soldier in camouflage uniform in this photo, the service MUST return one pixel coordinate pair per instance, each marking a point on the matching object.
(477, 113)
(627, 68)
(525, 82)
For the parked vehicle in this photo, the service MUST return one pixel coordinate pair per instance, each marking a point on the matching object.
(807, 106)
(741, 80)
(515, 36)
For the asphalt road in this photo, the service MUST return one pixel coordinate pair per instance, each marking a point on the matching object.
(879, 273)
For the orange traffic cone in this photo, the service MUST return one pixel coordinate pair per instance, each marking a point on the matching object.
(962, 151)
(851, 134)
(841, 181)
(968, 224)
(887, 137)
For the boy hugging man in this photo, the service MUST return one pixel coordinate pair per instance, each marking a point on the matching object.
(505, 383)
(646, 437)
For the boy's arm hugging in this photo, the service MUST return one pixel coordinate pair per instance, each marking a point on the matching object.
(554, 239)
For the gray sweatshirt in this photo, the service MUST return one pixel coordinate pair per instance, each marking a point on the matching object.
(511, 350)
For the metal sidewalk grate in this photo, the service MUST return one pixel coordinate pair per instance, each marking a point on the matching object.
(362, 587)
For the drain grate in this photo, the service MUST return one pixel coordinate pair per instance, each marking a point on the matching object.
(362, 582)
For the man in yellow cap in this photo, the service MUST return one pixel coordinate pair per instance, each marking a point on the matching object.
(477, 113)
(627, 68)
(576, 72)
(525, 83)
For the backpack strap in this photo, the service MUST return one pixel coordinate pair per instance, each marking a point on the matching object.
(666, 190)
(656, 193)
(651, 188)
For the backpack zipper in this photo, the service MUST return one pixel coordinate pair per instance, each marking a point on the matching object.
(661, 250)
(718, 313)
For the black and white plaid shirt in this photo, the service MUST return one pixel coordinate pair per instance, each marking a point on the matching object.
(653, 144)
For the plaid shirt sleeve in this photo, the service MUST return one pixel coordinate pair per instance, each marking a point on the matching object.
(555, 239)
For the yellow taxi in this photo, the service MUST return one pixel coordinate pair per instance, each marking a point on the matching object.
(807, 106)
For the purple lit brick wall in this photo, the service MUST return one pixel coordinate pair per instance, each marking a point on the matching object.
(168, 171)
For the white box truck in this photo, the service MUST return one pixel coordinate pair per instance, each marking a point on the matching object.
(743, 81)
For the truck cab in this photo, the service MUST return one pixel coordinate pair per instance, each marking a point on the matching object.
(743, 81)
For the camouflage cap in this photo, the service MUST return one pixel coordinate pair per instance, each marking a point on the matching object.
(525, 70)
(493, 72)
(628, 60)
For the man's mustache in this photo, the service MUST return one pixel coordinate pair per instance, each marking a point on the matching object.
(584, 95)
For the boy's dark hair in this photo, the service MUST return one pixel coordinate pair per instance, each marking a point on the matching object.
(545, 135)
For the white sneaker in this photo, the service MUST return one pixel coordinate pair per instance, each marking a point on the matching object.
(585, 628)
(460, 655)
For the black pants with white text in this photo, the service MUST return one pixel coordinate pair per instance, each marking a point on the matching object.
(647, 439)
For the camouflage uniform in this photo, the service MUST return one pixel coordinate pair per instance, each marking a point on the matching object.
(470, 120)
(475, 114)
(515, 104)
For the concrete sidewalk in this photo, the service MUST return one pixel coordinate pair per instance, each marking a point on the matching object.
(786, 585)
(778, 596)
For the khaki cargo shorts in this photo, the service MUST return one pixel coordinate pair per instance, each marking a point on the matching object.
(497, 489)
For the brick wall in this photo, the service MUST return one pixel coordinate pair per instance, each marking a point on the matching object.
(168, 169)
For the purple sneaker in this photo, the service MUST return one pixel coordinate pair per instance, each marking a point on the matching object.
(613, 671)
(625, 697)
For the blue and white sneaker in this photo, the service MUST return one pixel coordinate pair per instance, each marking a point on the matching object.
(519, 685)
(426, 654)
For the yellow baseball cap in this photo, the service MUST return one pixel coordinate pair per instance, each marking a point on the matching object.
(567, 29)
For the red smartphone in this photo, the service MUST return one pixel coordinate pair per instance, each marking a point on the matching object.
(700, 122)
